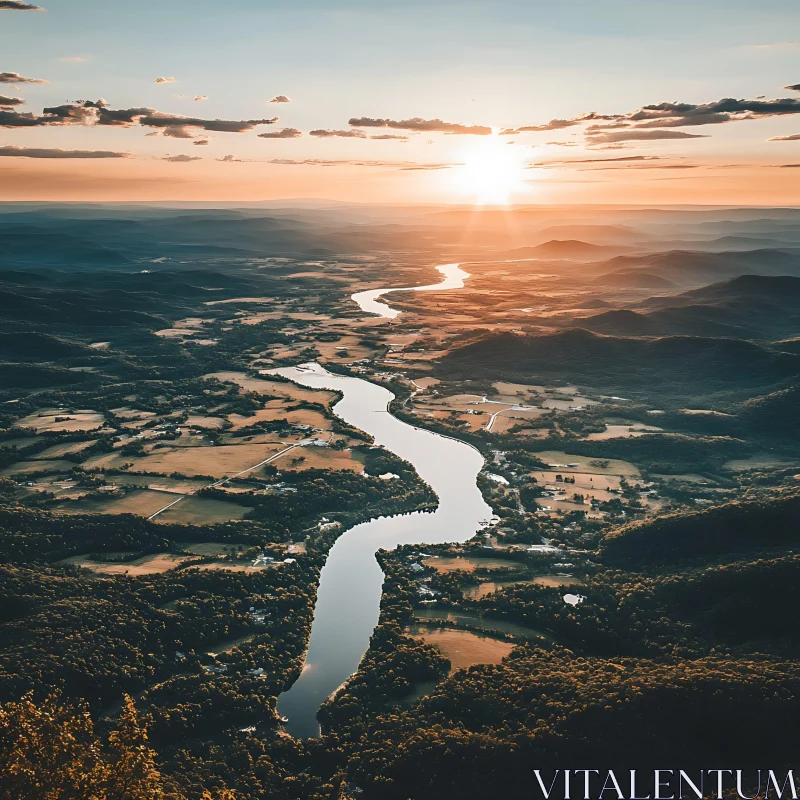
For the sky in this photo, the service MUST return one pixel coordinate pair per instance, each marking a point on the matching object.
(401, 101)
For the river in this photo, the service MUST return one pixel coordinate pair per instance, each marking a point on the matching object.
(454, 278)
(349, 595)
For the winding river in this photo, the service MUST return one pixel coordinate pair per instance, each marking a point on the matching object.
(454, 278)
(348, 599)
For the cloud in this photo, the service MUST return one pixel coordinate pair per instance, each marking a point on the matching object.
(729, 109)
(795, 137)
(419, 124)
(6, 102)
(658, 116)
(635, 135)
(416, 167)
(15, 77)
(164, 80)
(352, 134)
(641, 166)
(181, 159)
(566, 163)
(16, 5)
(97, 112)
(285, 133)
(158, 120)
(281, 98)
(563, 144)
(794, 88)
(177, 132)
(69, 114)
(230, 160)
(559, 124)
(73, 59)
(199, 97)
(790, 166)
(201, 141)
(39, 152)
(320, 162)
(390, 136)
(15, 119)
(553, 125)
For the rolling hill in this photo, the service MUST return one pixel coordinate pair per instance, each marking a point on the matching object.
(747, 307)
(671, 368)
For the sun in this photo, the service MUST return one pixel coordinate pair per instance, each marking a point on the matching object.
(492, 172)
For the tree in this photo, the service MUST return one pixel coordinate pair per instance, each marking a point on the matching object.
(134, 775)
(50, 751)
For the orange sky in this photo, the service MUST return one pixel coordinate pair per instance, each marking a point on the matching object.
(120, 180)
(384, 101)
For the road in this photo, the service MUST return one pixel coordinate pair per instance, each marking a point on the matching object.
(302, 443)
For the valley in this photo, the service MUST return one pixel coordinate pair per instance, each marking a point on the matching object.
(176, 481)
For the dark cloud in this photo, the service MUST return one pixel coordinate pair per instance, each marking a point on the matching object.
(201, 141)
(15, 119)
(181, 159)
(199, 97)
(792, 138)
(795, 88)
(39, 152)
(419, 124)
(353, 134)
(790, 166)
(281, 98)
(15, 77)
(164, 80)
(670, 115)
(677, 115)
(230, 160)
(158, 120)
(121, 117)
(69, 114)
(97, 112)
(390, 136)
(16, 5)
(558, 124)
(6, 102)
(553, 125)
(635, 135)
(285, 133)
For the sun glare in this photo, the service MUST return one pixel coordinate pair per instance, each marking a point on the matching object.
(492, 172)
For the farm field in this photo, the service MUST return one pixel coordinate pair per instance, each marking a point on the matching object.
(463, 648)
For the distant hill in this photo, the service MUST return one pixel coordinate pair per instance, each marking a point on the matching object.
(690, 269)
(116, 299)
(729, 528)
(32, 376)
(776, 413)
(781, 289)
(633, 279)
(747, 307)
(667, 368)
(607, 234)
(566, 248)
(34, 346)
(38, 247)
(71, 308)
